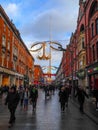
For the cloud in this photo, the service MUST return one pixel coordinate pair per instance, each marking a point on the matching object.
(61, 14)
(56, 21)
(49, 23)
(40, 20)
(12, 10)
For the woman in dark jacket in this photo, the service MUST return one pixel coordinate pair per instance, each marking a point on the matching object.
(12, 100)
(81, 94)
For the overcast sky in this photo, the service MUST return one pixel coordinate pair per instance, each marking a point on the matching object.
(42, 20)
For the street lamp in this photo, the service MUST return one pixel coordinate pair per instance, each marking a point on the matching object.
(61, 49)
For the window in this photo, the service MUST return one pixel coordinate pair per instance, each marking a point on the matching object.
(97, 49)
(82, 42)
(3, 41)
(8, 32)
(4, 27)
(8, 60)
(93, 50)
(8, 46)
(83, 60)
(80, 64)
(14, 65)
(96, 26)
(15, 51)
(92, 27)
(3, 56)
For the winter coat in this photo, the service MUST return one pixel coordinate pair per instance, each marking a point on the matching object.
(33, 95)
(81, 94)
(12, 100)
(63, 96)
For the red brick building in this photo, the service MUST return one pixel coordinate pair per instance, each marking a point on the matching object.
(81, 57)
(16, 62)
(87, 43)
(92, 42)
(38, 75)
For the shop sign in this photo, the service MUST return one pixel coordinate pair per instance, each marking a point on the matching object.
(81, 74)
(92, 70)
(95, 69)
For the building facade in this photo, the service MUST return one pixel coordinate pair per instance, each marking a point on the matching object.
(16, 62)
(81, 56)
(38, 75)
(92, 43)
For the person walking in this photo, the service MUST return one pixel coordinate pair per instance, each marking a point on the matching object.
(81, 94)
(25, 98)
(12, 101)
(33, 97)
(63, 98)
(95, 93)
(21, 94)
(67, 91)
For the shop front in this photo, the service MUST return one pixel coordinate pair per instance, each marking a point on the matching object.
(9, 78)
(81, 74)
(92, 72)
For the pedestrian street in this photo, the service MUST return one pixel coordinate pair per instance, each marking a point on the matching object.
(48, 116)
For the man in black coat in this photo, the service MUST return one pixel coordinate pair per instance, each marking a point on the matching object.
(33, 97)
(12, 100)
(81, 94)
(63, 98)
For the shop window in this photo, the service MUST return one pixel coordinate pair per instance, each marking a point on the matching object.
(97, 26)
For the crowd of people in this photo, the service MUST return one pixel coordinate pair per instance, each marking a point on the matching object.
(25, 95)
(22, 96)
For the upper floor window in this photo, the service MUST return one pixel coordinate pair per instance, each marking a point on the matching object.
(82, 42)
(83, 60)
(8, 46)
(13, 39)
(3, 41)
(15, 51)
(8, 32)
(97, 49)
(4, 27)
(92, 29)
(94, 8)
(93, 51)
(97, 26)
(80, 64)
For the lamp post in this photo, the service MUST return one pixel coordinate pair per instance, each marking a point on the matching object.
(61, 49)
